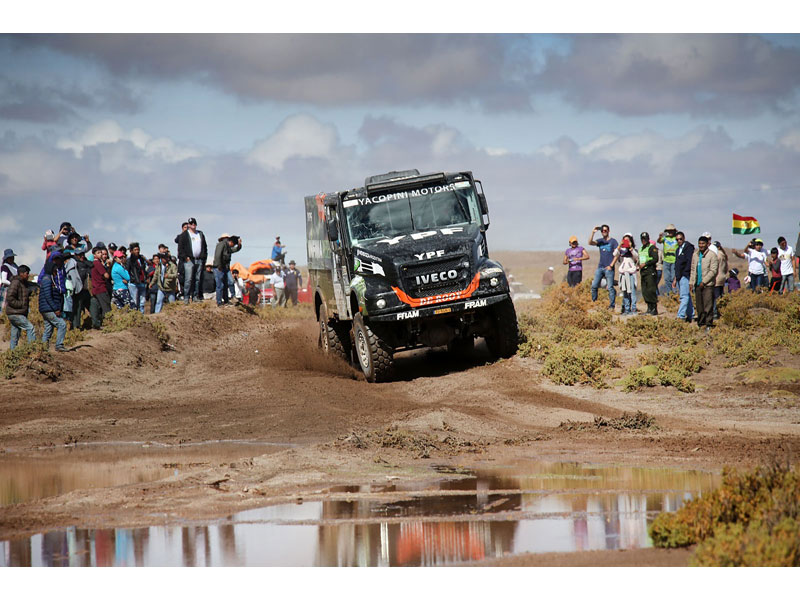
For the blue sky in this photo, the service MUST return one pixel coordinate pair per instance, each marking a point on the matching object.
(126, 136)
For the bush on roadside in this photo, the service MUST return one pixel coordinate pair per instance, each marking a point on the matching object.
(566, 366)
(753, 519)
(12, 360)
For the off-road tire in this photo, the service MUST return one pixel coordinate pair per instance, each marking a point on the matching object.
(504, 341)
(375, 356)
(334, 339)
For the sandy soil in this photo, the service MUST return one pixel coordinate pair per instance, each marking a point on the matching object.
(235, 376)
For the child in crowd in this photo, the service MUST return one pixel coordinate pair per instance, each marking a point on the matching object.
(733, 281)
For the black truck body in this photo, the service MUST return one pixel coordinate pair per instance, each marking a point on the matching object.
(402, 263)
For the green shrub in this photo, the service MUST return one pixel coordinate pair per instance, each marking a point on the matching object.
(11, 360)
(566, 366)
(751, 520)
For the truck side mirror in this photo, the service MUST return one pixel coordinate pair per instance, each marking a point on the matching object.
(483, 205)
(333, 231)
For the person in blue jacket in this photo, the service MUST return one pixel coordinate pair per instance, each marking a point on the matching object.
(120, 295)
(52, 287)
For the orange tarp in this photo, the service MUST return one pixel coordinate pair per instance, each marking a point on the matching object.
(259, 270)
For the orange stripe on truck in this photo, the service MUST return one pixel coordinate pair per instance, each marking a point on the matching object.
(439, 298)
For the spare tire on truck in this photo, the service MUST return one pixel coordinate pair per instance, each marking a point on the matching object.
(504, 340)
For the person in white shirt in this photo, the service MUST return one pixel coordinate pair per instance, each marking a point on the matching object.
(279, 287)
(788, 268)
(756, 263)
(238, 285)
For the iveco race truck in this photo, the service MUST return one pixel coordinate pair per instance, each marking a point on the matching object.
(403, 263)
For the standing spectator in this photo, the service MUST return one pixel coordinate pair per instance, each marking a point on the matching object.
(82, 299)
(227, 244)
(72, 283)
(703, 276)
(17, 301)
(121, 295)
(52, 286)
(547, 278)
(670, 252)
(648, 257)
(238, 286)
(7, 272)
(165, 278)
(181, 259)
(659, 268)
(774, 265)
(574, 256)
(722, 274)
(194, 250)
(628, 260)
(152, 283)
(733, 281)
(756, 263)
(788, 267)
(63, 235)
(100, 303)
(278, 251)
(293, 280)
(279, 287)
(606, 245)
(78, 244)
(49, 243)
(137, 268)
(683, 267)
(209, 285)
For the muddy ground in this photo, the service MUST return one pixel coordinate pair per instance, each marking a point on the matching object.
(237, 376)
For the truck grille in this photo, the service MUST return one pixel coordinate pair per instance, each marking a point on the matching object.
(422, 279)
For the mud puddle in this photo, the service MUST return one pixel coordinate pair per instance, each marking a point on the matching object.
(488, 513)
(26, 475)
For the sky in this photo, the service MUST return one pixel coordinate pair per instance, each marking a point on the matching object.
(128, 135)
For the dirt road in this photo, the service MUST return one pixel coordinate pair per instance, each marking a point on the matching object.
(236, 376)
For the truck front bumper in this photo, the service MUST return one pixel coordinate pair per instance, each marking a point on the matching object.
(444, 309)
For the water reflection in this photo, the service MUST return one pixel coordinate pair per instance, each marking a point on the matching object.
(521, 508)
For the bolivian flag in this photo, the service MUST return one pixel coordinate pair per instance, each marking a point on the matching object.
(745, 225)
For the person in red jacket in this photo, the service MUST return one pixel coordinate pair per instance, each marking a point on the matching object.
(101, 286)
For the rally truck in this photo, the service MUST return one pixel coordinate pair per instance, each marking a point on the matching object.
(403, 263)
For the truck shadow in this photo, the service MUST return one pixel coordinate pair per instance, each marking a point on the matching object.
(435, 362)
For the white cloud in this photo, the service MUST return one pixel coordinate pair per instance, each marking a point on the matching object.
(9, 224)
(110, 132)
(791, 139)
(299, 136)
(658, 151)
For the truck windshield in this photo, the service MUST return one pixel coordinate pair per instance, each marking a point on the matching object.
(400, 213)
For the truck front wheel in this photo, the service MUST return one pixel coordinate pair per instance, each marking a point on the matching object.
(504, 339)
(333, 338)
(374, 355)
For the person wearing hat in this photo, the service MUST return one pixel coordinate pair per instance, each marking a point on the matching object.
(49, 243)
(209, 285)
(733, 280)
(628, 259)
(52, 288)
(574, 257)
(278, 252)
(756, 263)
(165, 279)
(194, 250)
(648, 257)
(547, 278)
(17, 304)
(722, 274)
(293, 280)
(670, 253)
(7, 272)
(227, 244)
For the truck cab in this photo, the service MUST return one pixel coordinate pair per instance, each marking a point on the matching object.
(403, 263)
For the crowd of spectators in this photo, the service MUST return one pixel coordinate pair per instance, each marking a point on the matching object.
(80, 277)
(698, 274)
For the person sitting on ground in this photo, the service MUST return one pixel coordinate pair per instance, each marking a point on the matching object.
(628, 258)
(574, 256)
(733, 281)
(774, 264)
(52, 287)
(120, 295)
(165, 279)
(17, 303)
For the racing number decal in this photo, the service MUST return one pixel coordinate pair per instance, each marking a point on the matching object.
(439, 298)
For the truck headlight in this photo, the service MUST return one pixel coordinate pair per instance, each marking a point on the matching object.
(493, 282)
(380, 303)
